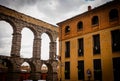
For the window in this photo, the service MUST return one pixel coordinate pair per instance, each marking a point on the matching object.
(95, 21)
(79, 25)
(80, 70)
(97, 69)
(113, 14)
(115, 34)
(67, 70)
(67, 52)
(96, 44)
(116, 67)
(67, 29)
(80, 47)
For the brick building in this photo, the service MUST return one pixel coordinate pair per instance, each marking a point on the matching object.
(90, 45)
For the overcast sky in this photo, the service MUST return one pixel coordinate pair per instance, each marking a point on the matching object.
(51, 11)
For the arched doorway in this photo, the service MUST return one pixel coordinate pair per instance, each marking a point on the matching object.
(25, 71)
(44, 72)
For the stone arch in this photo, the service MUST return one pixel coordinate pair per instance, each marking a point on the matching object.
(16, 34)
(28, 74)
(45, 43)
(5, 37)
(31, 28)
(52, 46)
(10, 22)
(50, 71)
(32, 65)
(49, 33)
(25, 43)
(52, 34)
(44, 72)
(25, 67)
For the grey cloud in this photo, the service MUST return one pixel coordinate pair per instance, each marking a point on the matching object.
(5, 35)
(45, 6)
(56, 10)
(4, 2)
(62, 6)
(1, 45)
(52, 9)
(5, 42)
(17, 4)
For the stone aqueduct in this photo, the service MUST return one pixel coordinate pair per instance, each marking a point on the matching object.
(18, 21)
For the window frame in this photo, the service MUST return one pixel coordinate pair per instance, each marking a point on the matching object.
(67, 30)
(113, 15)
(96, 44)
(79, 26)
(115, 40)
(95, 21)
(67, 49)
(81, 70)
(67, 70)
(80, 47)
(97, 69)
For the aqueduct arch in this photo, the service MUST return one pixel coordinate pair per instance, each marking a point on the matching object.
(5, 45)
(18, 21)
(26, 43)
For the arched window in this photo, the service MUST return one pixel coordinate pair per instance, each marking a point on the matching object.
(67, 29)
(95, 21)
(80, 25)
(113, 14)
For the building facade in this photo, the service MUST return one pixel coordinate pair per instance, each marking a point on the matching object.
(90, 45)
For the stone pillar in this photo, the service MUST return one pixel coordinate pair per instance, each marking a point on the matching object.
(35, 76)
(14, 70)
(55, 76)
(13, 76)
(16, 44)
(50, 77)
(53, 50)
(37, 48)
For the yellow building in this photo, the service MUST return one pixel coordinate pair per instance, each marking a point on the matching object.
(90, 45)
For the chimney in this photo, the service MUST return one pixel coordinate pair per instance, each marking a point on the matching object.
(89, 8)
